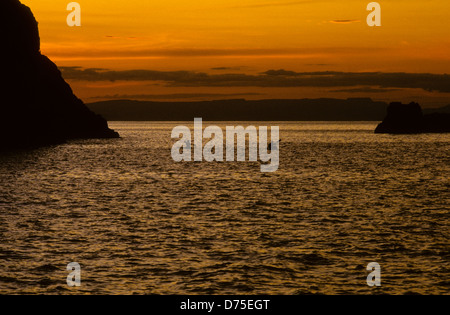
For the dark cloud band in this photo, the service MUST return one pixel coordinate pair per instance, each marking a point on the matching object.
(271, 78)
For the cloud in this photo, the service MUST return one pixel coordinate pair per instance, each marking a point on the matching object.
(101, 52)
(319, 64)
(119, 37)
(271, 4)
(365, 90)
(270, 78)
(280, 72)
(173, 96)
(344, 21)
(226, 68)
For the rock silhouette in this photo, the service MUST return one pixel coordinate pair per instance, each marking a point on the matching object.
(409, 119)
(37, 107)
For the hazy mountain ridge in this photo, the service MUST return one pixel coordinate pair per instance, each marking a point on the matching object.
(355, 109)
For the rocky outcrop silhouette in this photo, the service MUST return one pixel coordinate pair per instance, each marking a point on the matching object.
(37, 107)
(409, 119)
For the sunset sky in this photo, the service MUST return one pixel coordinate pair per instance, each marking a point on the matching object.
(218, 49)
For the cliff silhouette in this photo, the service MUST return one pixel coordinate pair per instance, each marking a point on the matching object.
(409, 119)
(37, 107)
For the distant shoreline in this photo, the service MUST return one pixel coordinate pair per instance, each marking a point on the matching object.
(247, 121)
(324, 109)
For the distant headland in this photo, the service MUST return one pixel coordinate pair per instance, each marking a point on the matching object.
(410, 119)
(37, 106)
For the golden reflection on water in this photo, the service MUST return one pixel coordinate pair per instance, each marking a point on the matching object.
(139, 223)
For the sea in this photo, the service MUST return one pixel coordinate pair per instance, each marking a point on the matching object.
(139, 223)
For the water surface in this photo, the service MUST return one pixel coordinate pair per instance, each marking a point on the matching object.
(137, 222)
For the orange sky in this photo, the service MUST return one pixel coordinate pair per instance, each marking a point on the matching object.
(247, 36)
